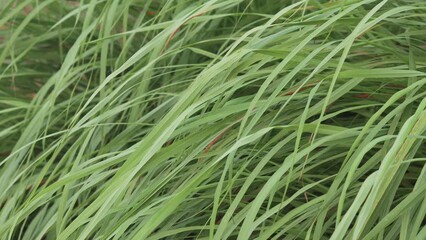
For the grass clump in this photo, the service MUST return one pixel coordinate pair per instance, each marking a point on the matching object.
(211, 119)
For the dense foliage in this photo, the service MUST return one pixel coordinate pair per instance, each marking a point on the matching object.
(212, 119)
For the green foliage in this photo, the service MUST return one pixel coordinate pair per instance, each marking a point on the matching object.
(212, 119)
